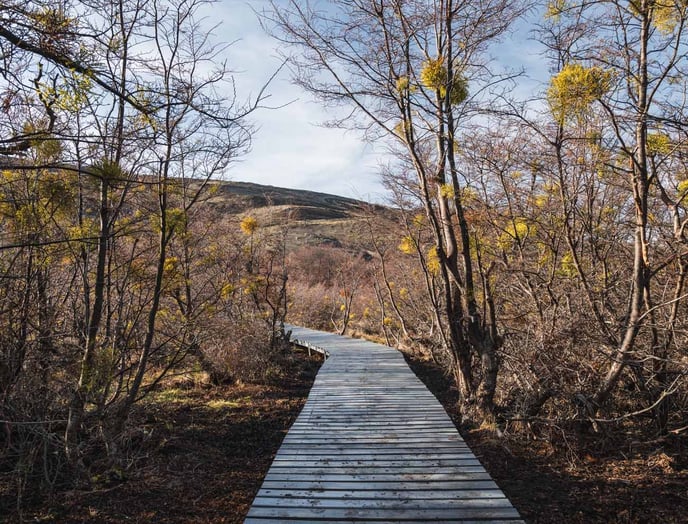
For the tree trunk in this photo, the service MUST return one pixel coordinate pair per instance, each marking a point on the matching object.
(640, 278)
(79, 396)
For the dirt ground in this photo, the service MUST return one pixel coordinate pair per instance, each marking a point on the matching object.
(207, 450)
(583, 482)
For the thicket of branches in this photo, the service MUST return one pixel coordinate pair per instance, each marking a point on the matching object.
(543, 251)
(112, 270)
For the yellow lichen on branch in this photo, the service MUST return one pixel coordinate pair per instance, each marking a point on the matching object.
(434, 75)
(665, 15)
(407, 245)
(249, 225)
(573, 90)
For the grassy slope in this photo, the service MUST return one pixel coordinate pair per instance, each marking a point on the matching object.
(312, 218)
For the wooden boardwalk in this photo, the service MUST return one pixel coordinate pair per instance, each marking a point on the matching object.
(372, 444)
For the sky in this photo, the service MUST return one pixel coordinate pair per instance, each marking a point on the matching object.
(290, 148)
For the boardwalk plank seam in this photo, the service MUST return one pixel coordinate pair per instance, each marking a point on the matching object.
(372, 444)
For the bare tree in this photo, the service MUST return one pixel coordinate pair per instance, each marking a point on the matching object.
(635, 88)
(120, 112)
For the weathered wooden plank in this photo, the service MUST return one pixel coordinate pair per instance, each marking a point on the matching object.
(387, 397)
(346, 409)
(372, 457)
(378, 514)
(368, 420)
(370, 442)
(354, 405)
(328, 439)
(362, 477)
(401, 503)
(345, 392)
(378, 450)
(335, 437)
(324, 470)
(370, 461)
(421, 415)
(375, 437)
(389, 403)
(321, 485)
(344, 429)
(457, 450)
(374, 430)
(374, 444)
(370, 416)
(270, 520)
(382, 495)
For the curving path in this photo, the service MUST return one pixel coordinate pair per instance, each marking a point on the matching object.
(372, 444)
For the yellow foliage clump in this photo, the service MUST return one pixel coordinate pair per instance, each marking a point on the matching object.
(227, 291)
(664, 14)
(608, 212)
(658, 144)
(551, 187)
(541, 201)
(518, 229)
(177, 219)
(682, 190)
(252, 285)
(568, 266)
(555, 8)
(434, 75)
(52, 20)
(469, 195)
(573, 90)
(447, 191)
(87, 230)
(433, 261)
(545, 258)
(170, 265)
(109, 170)
(407, 245)
(69, 94)
(249, 225)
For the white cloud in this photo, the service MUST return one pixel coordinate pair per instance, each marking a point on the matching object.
(289, 148)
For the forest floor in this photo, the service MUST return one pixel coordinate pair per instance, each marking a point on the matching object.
(577, 482)
(210, 447)
(204, 460)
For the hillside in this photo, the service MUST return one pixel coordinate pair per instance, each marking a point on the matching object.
(313, 218)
